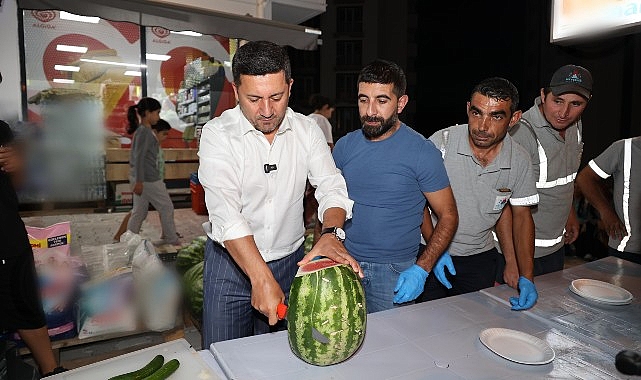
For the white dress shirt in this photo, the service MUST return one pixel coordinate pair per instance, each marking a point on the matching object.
(243, 200)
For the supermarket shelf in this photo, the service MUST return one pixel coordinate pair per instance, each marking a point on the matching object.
(186, 102)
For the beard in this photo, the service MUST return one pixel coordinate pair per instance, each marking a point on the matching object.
(267, 128)
(372, 132)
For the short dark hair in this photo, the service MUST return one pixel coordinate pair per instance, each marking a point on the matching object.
(260, 58)
(317, 101)
(384, 72)
(499, 89)
(161, 125)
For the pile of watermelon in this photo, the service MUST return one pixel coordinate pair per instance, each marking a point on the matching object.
(190, 263)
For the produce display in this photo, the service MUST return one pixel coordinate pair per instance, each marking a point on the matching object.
(327, 314)
(156, 369)
(190, 263)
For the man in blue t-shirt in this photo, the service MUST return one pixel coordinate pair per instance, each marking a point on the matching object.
(390, 171)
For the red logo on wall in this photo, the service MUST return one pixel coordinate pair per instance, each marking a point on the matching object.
(44, 16)
(160, 32)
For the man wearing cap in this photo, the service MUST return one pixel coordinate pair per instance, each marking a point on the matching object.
(551, 131)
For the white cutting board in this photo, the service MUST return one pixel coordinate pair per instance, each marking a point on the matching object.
(192, 366)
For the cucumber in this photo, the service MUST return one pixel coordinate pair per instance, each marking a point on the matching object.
(154, 365)
(166, 370)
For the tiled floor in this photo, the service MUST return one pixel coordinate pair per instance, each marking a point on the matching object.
(99, 228)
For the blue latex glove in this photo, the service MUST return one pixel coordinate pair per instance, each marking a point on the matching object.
(410, 284)
(439, 269)
(527, 295)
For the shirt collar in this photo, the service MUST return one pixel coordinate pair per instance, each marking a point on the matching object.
(504, 158)
(247, 127)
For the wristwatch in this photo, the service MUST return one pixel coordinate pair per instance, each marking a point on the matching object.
(338, 233)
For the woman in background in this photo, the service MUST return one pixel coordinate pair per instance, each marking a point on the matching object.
(147, 183)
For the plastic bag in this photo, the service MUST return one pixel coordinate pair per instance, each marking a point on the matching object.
(158, 289)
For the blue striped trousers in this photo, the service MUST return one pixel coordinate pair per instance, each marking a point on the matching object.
(227, 310)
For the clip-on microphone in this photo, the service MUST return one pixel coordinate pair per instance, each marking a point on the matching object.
(269, 167)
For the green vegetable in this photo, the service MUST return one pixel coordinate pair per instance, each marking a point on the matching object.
(166, 370)
(189, 256)
(328, 298)
(154, 365)
(193, 288)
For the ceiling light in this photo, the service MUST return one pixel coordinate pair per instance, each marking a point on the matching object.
(157, 57)
(188, 33)
(313, 31)
(65, 81)
(132, 73)
(72, 49)
(70, 16)
(111, 62)
(66, 68)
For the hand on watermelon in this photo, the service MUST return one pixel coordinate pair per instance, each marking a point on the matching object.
(445, 261)
(333, 249)
(410, 284)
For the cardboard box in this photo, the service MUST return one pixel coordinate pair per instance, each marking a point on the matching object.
(123, 194)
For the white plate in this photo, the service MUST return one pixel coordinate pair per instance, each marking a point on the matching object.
(517, 346)
(600, 291)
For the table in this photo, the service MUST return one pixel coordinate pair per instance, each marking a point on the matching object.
(440, 339)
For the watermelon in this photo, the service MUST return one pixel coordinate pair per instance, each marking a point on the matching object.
(326, 298)
(189, 256)
(193, 288)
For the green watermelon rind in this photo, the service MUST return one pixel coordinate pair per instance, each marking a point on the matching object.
(193, 288)
(332, 300)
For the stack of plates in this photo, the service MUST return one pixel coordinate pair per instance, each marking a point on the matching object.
(600, 291)
(517, 346)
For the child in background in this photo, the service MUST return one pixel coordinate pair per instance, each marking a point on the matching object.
(145, 177)
(161, 130)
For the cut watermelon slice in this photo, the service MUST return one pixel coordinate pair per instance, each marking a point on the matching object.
(316, 265)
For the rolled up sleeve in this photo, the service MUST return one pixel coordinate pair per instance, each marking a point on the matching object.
(331, 189)
(218, 174)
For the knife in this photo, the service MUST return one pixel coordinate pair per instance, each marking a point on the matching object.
(318, 336)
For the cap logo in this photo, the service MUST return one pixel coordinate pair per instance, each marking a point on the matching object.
(574, 77)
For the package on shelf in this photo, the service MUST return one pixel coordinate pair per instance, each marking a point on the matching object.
(60, 276)
(158, 292)
(106, 304)
(55, 235)
(106, 258)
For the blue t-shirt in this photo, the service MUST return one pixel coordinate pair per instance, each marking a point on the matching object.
(386, 180)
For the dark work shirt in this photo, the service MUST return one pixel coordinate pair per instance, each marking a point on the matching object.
(13, 235)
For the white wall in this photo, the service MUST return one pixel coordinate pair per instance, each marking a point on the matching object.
(10, 102)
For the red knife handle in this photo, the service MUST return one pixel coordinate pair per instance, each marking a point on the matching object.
(281, 311)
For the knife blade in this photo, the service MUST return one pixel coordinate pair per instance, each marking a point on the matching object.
(281, 311)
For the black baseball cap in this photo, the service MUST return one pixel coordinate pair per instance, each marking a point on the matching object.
(572, 78)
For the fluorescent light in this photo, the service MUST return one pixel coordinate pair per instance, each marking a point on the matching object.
(313, 31)
(111, 62)
(132, 73)
(67, 68)
(65, 81)
(188, 33)
(70, 16)
(72, 49)
(157, 57)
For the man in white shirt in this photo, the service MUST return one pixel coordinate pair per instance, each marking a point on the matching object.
(323, 110)
(255, 160)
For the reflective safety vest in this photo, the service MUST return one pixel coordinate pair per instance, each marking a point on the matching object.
(543, 181)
